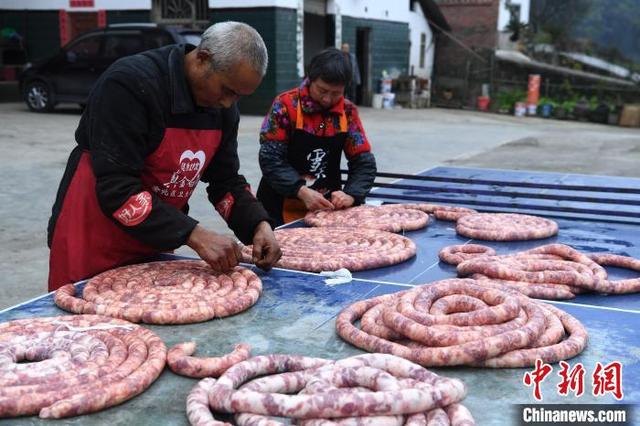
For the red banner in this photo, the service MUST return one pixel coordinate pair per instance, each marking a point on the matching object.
(102, 18)
(81, 3)
(63, 25)
(534, 89)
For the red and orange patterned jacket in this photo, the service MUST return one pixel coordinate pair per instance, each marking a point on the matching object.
(279, 124)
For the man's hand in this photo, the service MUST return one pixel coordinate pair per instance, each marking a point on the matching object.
(219, 251)
(313, 200)
(340, 200)
(266, 250)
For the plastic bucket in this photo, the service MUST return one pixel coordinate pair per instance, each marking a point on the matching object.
(377, 101)
(483, 103)
(388, 100)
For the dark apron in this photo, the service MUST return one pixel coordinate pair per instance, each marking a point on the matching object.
(316, 159)
(86, 242)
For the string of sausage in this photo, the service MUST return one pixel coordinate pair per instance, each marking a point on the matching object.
(77, 364)
(181, 362)
(440, 212)
(505, 227)
(329, 249)
(384, 218)
(388, 217)
(462, 322)
(371, 389)
(457, 254)
(488, 226)
(631, 285)
(174, 292)
(553, 271)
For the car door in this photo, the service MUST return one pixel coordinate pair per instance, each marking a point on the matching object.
(76, 69)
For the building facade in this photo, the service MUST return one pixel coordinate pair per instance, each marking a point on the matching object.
(463, 61)
(390, 36)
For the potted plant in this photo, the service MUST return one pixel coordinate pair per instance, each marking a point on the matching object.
(560, 111)
(505, 101)
(565, 110)
(546, 106)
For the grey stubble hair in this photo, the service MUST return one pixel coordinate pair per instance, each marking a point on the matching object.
(230, 43)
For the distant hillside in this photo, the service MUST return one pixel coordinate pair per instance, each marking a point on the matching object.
(613, 25)
(609, 29)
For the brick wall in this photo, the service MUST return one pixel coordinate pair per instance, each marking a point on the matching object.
(474, 23)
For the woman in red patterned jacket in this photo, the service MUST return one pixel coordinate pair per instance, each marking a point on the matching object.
(301, 143)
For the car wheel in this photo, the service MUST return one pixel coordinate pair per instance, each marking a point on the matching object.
(39, 97)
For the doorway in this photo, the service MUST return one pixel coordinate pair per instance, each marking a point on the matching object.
(364, 91)
(315, 35)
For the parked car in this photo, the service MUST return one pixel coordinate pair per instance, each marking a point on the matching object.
(69, 75)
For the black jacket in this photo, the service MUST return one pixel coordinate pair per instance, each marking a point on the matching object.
(126, 115)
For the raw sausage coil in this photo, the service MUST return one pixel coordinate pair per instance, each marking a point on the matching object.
(329, 249)
(389, 218)
(322, 392)
(462, 322)
(80, 364)
(174, 292)
(505, 227)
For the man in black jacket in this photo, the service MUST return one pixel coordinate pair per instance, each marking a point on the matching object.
(155, 124)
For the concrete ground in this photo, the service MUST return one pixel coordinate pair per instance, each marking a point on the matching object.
(34, 150)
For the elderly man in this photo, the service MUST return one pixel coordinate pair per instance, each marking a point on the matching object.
(155, 124)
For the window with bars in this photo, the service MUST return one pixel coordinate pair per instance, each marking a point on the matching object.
(183, 12)
(464, 2)
(423, 49)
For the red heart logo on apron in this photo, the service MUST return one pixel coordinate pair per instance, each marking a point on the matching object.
(190, 165)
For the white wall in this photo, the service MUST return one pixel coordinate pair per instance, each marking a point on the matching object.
(386, 10)
(418, 25)
(504, 15)
(64, 4)
(222, 4)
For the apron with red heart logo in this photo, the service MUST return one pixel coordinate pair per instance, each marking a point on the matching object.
(86, 241)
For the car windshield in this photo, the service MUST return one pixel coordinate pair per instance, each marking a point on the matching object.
(192, 38)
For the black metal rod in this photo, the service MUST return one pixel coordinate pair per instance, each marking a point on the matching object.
(499, 193)
(507, 205)
(475, 181)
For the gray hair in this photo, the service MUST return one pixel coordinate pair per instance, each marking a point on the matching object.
(230, 43)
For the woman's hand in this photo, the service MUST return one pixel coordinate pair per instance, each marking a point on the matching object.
(340, 200)
(313, 200)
